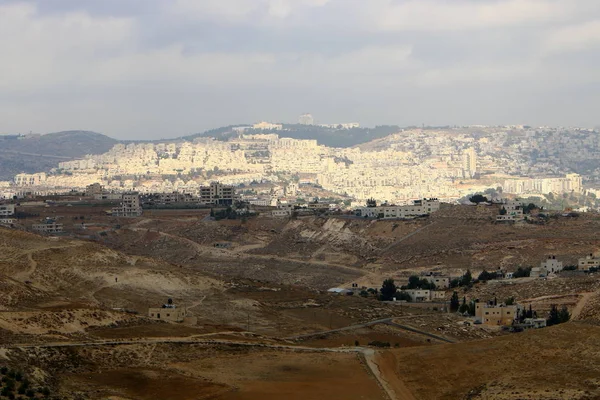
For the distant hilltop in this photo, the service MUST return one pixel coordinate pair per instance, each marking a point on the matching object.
(35, 152)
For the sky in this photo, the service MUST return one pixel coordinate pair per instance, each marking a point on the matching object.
(149, 69)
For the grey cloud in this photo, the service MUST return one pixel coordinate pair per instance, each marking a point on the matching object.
(154, 68)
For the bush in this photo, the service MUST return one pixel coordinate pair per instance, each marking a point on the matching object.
(3, 370)
(377, 343)
(522, 272)
(356, 343)
(487, 276)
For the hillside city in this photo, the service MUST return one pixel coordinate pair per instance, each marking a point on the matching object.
(445, 163)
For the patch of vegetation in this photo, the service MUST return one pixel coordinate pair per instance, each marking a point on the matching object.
(15, 385)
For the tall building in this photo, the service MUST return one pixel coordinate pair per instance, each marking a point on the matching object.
(217, 193)
(469, 162)
(130, 206)
(306, 119)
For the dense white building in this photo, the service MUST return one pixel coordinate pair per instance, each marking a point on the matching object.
(418, 209)
(570, 183)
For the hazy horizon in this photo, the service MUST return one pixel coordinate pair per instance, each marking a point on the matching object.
(151, 69)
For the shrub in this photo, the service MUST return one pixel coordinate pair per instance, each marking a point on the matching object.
(377, 343)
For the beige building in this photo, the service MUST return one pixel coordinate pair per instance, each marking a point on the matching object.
(419, 208)
(93, 190)
(168, 312)
(588, 262)
(217, 194)
(442, 282)
(130, 206)
(48, 227)
(267, 126)
(424, 295)
(495, 314)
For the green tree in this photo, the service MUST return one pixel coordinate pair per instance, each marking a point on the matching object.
(401, 295)
(563, 315)
(553, 317)
(467, 278)
(454, 302)
(510, 301)
(478, 198)
(388, 290)
(464, 306)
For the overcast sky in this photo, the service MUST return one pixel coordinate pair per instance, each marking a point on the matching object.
(163, 68)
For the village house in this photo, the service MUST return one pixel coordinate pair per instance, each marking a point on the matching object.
(510, 211)
(491, 313)
(168, 312)
(588, 262)
(440, 282)
(551, 265)
(424, 295)
(48, 227)
(130, 206)
(418, 209)
(283, 210)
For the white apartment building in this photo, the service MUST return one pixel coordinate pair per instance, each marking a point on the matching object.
(7, 210)
(419, 208)
(283, 210)
(588, 262)
(267, 126)
(217, 194)
(470, 162)
(570, 183)
(422, 295)
(30, 179)
(511, 210)
(130, 206)
(552, 265)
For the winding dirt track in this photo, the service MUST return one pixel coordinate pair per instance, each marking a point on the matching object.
(380, 366)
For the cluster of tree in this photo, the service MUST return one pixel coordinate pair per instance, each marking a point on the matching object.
(529, 313)
(228, 213)
(558, 317)
(414, 282)
(487, 276)
(522, 272)
(14, 385)
(465, 280)
(527, 208)
(478, 198)
(466, 308)
(389, 291)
